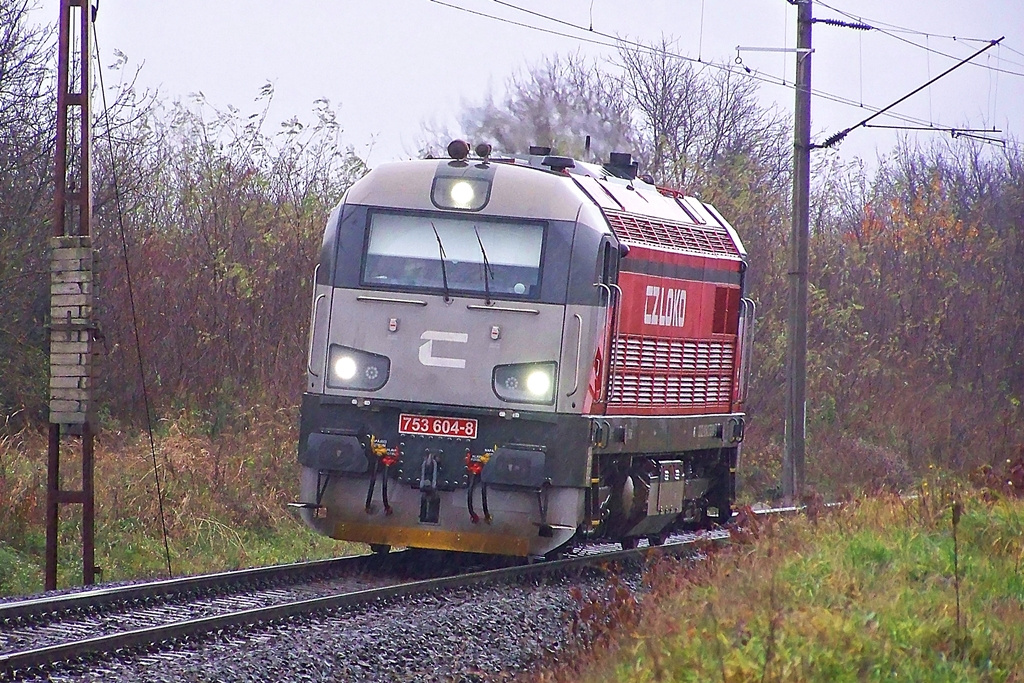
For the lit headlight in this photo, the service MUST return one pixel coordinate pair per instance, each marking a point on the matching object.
(538, 383)
(463, 193)
(525, 382)
(349, 368)
(345, 367)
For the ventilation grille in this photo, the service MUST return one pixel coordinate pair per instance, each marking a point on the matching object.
(661, 391)
(674, 355)
(658, 232)
(671, 373)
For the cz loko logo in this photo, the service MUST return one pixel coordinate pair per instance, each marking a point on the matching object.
(664, 306)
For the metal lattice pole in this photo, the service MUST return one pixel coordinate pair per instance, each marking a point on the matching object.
(72, 295)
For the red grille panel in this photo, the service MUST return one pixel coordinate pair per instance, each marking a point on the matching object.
(651, 390)
(669, 373)
(659, 232)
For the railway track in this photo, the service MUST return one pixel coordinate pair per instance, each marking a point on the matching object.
(51, 629)
(43, 633)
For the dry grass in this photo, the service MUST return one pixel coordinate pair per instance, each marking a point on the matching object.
(224, 501)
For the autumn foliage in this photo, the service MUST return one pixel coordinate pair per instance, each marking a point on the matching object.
(208, 222)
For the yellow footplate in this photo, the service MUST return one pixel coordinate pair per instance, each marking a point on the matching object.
(439, 539)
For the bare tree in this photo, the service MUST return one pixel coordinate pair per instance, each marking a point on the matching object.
(222, 238)
(27, 114)
(559, 103)
(694, 121)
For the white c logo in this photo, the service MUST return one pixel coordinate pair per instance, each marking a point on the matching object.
(427, 356)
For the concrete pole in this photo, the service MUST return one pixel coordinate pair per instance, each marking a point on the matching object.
(796, 381)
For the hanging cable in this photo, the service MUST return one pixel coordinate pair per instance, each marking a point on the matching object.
(838, 137)
(131, 300)
(860, 67)
(700, 41)
(619, 42)
(928, 68)
(876, 25)
(785, 42)
(995, 94)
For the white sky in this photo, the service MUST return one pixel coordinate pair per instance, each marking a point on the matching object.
(394, 64)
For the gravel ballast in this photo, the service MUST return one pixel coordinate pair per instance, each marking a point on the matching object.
(479, 633)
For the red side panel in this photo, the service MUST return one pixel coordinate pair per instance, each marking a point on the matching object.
(675, 349)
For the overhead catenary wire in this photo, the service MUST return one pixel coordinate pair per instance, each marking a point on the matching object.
(750, 73)
(134, 312)
(838, 137)
(896, 28)
(877, 25)
(981, 134)
(619, 42)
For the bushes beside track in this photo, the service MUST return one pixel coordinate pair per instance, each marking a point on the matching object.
(875, 591)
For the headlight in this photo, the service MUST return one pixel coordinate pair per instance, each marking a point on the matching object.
(462, 193)
(525, 382)
(349, 368)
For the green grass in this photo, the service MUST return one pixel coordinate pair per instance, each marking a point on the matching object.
(863, 594)
(127, 551)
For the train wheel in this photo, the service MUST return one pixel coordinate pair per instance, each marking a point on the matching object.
(380, 548)
(658, 539)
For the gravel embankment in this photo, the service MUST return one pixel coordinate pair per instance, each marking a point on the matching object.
(480, 633)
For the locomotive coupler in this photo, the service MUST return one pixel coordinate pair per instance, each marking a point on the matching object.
(428, 471)
(430, 500)
(546, 530)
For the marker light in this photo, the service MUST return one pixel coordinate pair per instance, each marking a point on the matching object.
(354, 369)
(462, 194)
(525, 382)
(345, 367)
(538, 383)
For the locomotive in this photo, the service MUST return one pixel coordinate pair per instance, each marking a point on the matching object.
(508, 355)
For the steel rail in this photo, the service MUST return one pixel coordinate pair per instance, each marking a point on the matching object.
(13, 664)
(224, 582)
(25, 661)
(168, 588)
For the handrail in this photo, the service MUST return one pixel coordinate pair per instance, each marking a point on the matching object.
(748, 313)
(312, 321)
(507, 309)
(603, 385)
(579, 354)
(613, 351)
(312, 325)
(390, 300)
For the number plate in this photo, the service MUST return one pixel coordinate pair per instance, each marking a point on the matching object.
(427, 425)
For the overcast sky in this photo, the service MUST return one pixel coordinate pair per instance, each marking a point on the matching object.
(393, 65)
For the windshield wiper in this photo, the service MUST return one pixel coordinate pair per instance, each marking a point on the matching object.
(444, 269)
(487, 268)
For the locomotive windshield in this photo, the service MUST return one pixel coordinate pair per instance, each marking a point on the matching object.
(479, 256)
